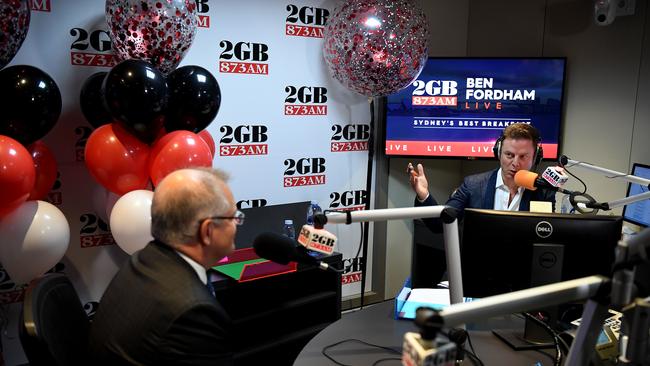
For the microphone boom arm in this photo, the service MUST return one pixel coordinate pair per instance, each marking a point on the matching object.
(450, 233)
(613, 173)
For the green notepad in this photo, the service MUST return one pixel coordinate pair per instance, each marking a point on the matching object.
(235, 270)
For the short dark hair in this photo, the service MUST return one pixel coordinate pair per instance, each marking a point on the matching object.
(522, 131)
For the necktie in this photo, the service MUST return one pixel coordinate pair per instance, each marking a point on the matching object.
(209, 285)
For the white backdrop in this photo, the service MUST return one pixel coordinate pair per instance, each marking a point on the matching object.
(264, 140)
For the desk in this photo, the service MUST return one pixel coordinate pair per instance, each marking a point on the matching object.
(375, 324)
(274, 317)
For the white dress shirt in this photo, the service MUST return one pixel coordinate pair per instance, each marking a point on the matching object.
(502, 196)
(200, 271)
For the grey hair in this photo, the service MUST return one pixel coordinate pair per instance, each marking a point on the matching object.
(175, 216)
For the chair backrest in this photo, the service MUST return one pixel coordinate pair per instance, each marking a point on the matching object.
(54, 326)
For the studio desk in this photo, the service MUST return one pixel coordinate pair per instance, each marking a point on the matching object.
(274, 317)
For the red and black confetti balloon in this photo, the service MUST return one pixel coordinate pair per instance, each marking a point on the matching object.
(14, 23)
(376, 47)
(157, 31)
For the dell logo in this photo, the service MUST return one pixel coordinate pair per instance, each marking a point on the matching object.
(543, 229)
(547, 260)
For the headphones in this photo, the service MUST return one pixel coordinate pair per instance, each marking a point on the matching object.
(537, 158)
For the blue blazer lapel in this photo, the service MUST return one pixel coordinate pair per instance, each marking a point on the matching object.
(488, 199)
(524, 205)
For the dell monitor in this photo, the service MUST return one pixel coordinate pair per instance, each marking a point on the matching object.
(504, 251)
(638, 213)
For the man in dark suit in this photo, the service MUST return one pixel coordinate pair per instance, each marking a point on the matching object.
(159, 308)
(517, 148)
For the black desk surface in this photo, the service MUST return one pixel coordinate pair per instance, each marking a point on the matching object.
(375, 324)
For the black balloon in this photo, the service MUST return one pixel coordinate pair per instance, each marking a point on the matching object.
(136, 95)
(194, 99)
(91, 100)
(30, 104)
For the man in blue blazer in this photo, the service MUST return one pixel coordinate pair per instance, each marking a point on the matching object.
(159, 309)
(518, 148)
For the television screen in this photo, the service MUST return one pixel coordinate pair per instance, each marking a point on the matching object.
(638, 212)
(457, 107)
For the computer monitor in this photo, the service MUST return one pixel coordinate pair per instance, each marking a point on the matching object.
(269, 219)
(505, 251)
(638, 213)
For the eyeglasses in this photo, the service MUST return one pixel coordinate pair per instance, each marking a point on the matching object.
(238, 217)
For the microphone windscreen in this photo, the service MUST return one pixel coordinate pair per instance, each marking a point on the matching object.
(526, 179)
(274, 247)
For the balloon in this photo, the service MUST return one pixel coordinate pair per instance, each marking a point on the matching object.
(205, 135)
(34, 239)
(103, 201)
(131, 220)
(91, 100)
(17, 174)
(178, 150)
(136, 96)
(14, 23)
(30, 105)
(194, 99)
(159, 32)
(45, 168)
(376, 47)
(116, 159)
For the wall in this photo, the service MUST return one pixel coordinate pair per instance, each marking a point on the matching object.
(606, 114)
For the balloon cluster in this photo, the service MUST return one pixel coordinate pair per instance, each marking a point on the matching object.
(35, 234)
(147, 124)
(149, 117)
(376, 47)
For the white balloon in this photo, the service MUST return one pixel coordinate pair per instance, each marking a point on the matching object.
(131, 220)
(34, 239)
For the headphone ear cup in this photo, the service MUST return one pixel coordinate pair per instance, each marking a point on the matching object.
(497, 148)
(539, 154)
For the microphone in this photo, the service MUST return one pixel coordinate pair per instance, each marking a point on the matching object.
(282, 250)
(429, 346)
(317, 239)
(551, 181)
(555, 176)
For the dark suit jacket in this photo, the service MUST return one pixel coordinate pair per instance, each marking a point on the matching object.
(156, 311)
(477, 191)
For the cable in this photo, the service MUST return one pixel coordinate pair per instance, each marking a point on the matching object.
(385, 359)
(473, 353)
(584, 190)
(324, 350)
(475, 360)
(360, 241)
(558, 351)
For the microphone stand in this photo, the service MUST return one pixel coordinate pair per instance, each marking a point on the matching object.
(450, 231)
(608, 172)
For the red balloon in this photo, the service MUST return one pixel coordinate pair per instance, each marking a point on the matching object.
(205, 135)
(178, 150)
(45, 166)
(17, 174)
(117, 159)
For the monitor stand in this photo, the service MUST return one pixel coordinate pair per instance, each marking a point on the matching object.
(532, 337)
(546, 268)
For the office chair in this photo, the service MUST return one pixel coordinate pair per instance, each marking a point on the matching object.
(54, 326)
